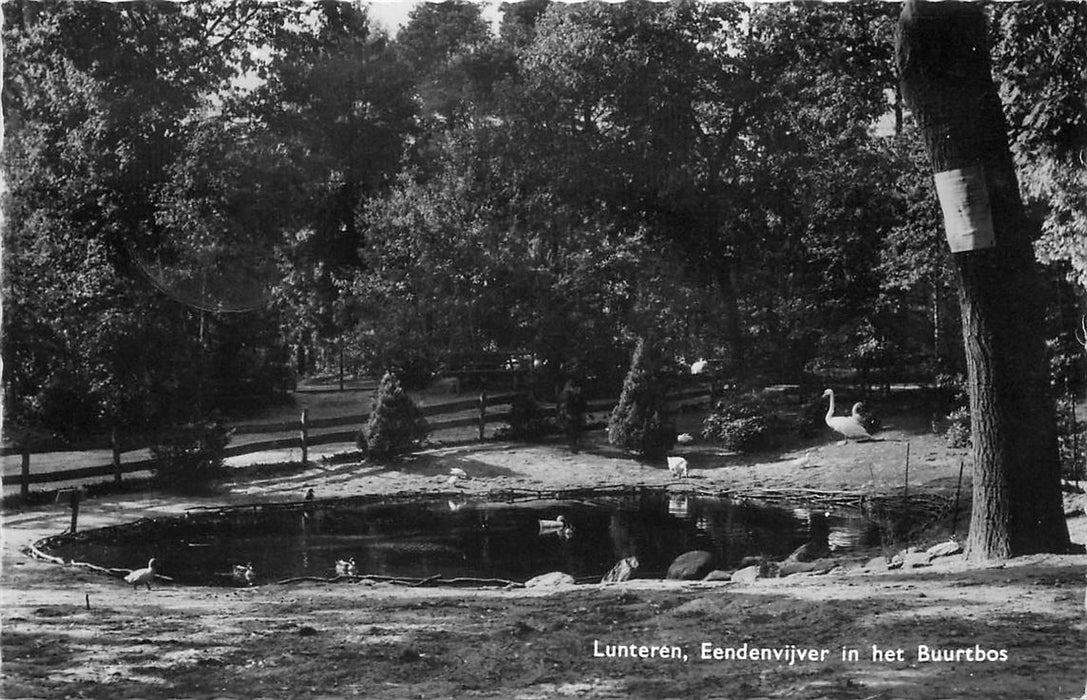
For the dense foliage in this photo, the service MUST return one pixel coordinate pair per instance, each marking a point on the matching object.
(201, 195)
(190, 457)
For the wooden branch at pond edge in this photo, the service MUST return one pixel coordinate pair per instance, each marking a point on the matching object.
(36, 553)
(436, 579)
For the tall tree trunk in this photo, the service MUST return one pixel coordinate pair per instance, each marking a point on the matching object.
(726, 283)
(943, 61)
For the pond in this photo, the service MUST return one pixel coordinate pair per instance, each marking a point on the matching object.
(427, 537)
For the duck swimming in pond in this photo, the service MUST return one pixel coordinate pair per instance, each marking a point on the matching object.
(559, 526)
(346, 568)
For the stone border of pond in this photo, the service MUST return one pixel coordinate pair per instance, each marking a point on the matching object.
(883, 509)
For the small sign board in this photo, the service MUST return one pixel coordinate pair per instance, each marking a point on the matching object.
(968, 219)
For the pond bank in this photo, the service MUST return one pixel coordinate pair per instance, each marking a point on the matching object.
(69, 632)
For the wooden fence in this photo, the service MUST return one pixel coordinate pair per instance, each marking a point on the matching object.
(304, 433)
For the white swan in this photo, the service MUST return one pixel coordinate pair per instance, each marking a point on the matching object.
(848, 426)
(144, 576)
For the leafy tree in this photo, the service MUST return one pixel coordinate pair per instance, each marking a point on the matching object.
(95, 97)
(1040, 56)
(335, 100)
(944, 60)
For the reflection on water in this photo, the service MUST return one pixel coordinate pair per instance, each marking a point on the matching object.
(465, 538)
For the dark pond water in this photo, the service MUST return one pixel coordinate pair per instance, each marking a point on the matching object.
(479, 539)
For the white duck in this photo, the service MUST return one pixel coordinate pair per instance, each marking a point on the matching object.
(243, 574)
(346, 568)
(558, 526)
(804, 461)
(848, 426)
(144, 576)
(678, 467)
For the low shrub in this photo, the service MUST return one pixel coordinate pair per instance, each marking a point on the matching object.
(811, 418)
(743, 424)
(527, 420)
(958, 428)
(190, 457)
(1072, 443)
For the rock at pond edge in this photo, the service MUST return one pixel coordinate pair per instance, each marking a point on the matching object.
(550, 580)
(691, 566)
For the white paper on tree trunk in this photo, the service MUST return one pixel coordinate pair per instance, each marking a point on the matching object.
(964, 198)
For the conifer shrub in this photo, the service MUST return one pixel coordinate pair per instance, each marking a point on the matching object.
(395, 425)
(640, 423)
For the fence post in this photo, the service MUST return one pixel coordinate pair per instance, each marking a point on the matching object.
(304, 437)
(115, 444)
(482, 411)
(24, 487)
(74, 496)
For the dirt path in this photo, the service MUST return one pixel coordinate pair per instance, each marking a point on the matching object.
(342, 640)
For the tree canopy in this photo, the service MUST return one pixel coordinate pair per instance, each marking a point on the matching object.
(736, 181)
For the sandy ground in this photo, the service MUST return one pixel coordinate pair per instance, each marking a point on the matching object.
(70, 632)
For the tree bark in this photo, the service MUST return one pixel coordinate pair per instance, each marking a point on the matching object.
(734, 335)
(943, 61)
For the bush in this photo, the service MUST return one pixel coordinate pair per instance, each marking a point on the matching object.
(742, 424)
(811, 418)
(191, 456)
(395, 424)
(526, 421)
(640, 422)
(1072, 443)
(958, 429)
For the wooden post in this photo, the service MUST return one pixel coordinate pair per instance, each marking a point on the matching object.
(115, 444)
(74, 500)
(906, 484)
(304, 436)
(958, 490)
(482, 410)
(24, 487)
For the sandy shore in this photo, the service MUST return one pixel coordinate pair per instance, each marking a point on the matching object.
(70, 632)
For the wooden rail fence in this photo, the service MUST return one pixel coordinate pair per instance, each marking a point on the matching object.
(473, 412)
